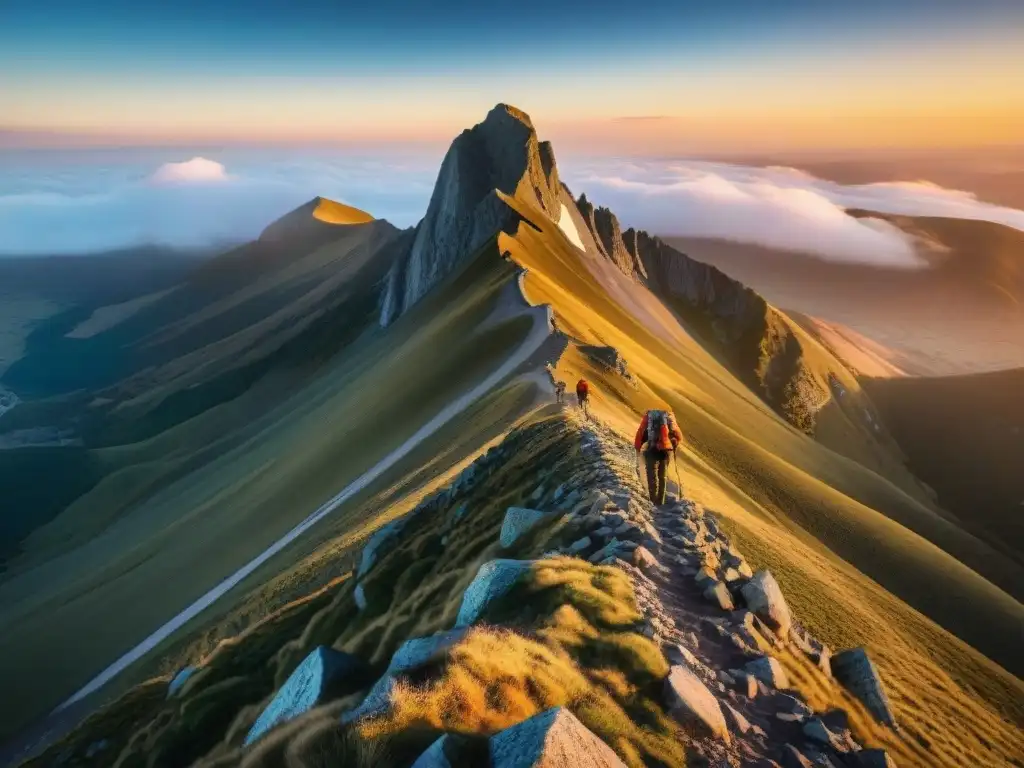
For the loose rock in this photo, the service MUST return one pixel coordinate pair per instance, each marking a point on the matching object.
(689, 701)
(552, 739)
(764, 597)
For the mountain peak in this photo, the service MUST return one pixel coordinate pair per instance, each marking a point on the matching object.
(500, 154)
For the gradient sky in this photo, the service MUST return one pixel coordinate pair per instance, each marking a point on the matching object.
(649, 77)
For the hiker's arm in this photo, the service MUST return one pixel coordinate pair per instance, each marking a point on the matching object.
(641, 434)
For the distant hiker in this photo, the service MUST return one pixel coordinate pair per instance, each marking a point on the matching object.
(659, 431)
(560, 391)
(583, 394)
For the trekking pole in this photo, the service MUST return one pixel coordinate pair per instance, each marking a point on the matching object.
(679, 480)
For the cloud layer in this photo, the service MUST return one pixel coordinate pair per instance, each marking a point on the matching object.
(88, 201)
(781, 208)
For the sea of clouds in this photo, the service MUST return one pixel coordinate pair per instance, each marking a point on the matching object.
(89, 201)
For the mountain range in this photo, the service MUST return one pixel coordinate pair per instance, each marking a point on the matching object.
(304, 453)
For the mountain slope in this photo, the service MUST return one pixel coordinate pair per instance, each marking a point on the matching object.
(964, 435)
(860, 550)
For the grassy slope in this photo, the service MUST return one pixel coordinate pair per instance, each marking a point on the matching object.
(964, 435)
(168, 550)
(874, 582)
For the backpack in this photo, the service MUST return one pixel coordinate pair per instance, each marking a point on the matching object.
(582, 388)
(659, 436)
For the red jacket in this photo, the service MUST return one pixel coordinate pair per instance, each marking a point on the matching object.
(582, 387)
(674, 435)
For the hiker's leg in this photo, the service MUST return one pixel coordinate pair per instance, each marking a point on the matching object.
(662, 485)
(652, 479)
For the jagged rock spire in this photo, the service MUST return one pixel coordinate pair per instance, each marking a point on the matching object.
(502, 153)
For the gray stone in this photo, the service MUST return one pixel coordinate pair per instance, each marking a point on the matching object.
(791, 757)
(613, 519)
(538, 493)
(716, 592)
(768, 670)
(460, 512)
(644, 560)
(95, 748)
(374, 543)
(679, 654)
(689, 701)
(874, 758)
(572, 499)
(604, 532)
(764, 597)
(493, 580)
(518, 520)
(552, 739)
(559, 492)
(860, 677)
(179, 680)
(815, 730)
(730, 575)
(434, 757)
(705, 576)
(735, 718)
(360, 597)
(412, 654)
(308, 686)
(629, 528)
(580, 545)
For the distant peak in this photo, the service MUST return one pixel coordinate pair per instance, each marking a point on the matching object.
(333, 212)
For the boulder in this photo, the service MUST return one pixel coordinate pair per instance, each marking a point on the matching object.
(374, 543)
(412, 654)
(735, 718)
(493, 580)
(791, 757)
(580, 545)
(689, 701)
(745, 682)
(518, 520)
(644, 560)
(310, 685)
(705, 576)
(360, 597)
(552, 739)
(717, 593)
(434, 757)
(179, 680)
(769, 671)
(763, 596)
(860, 677)
(680, 654)
(815, 730)
(874, 758)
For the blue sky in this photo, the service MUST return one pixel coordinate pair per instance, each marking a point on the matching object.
(298, 71)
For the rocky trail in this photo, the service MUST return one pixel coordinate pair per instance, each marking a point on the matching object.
(719, 623)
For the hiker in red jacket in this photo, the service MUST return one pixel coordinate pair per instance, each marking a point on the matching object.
(659, 431)
(583, 394)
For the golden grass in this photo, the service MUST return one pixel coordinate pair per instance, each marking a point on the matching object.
(817, 519)
(580, 655)
(331, 212)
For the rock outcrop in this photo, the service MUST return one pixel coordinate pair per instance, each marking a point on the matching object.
(518, 521)
(764, 597)
(758, 340)
(503, 154)
(859, 675)
(689, 701)
(492, 581)
(552, 739)
(308, 686)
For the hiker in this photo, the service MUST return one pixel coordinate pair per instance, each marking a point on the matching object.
(659, 431)
(583, 394)
(560, 392)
